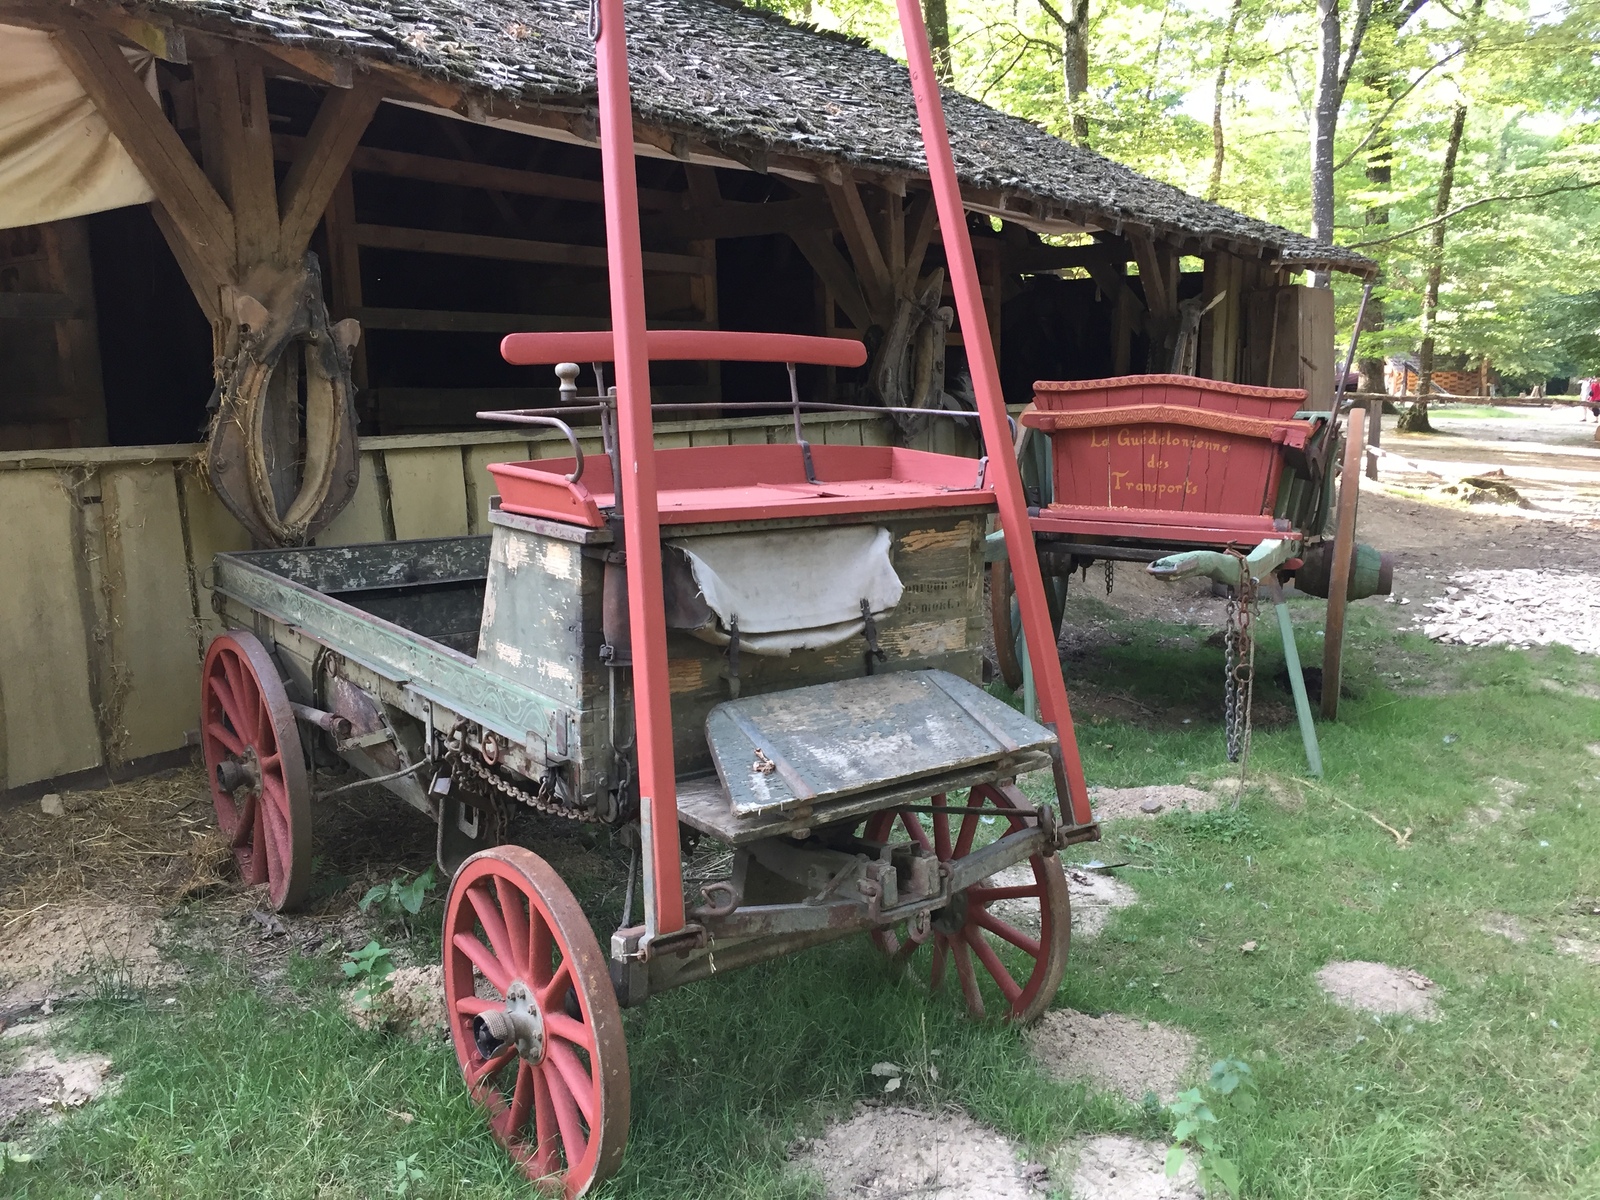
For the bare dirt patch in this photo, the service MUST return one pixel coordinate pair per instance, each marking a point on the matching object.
(40, 1081)
(1380, 989)
(64, 945)
(900, 1153)
(1093, 896)
(1125, 1168)
(1504, 926)
(413, 1004)
(1520, 608)
(1580, 948)
(1117, 1053)
(1112, 804)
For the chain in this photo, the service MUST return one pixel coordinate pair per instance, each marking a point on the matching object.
(541, 801)
(1111, 575)
(1240, 664)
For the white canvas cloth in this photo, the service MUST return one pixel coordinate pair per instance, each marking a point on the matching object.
(798, 589)
(57, 156)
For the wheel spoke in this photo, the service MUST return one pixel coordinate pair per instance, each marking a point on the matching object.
(486, 962)
(941, 832)
(230, 740)
(969, 830)
(542, 956)
(222, 689)
(941, 952)
(1004, 929)
(573, 1142)
(553, 994)
(516, 1116)
(576, 1077)
(471, 1006)
(915, 829)
(489, 916)
(516, 919)
(986, 955)
(481, 1073)
(967, 976)
(544, 1119)
(987, 895)
(558, 1024)
(244, 823)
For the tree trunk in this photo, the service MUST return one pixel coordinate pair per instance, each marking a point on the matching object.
(936, 16)
(1380, 174)
(1415, 420)
(1218, 145)
(1075, 67)
(1324, 124)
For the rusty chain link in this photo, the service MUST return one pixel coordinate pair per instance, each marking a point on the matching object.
(541, 801)
(1239, 663)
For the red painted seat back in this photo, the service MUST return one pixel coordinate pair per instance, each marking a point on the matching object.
(1168, 443)
(712, 345)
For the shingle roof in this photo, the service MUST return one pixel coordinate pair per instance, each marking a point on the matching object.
(742, 77)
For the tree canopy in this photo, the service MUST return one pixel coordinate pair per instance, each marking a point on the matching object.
(1222, 98)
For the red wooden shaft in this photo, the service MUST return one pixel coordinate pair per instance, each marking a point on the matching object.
(533, 349)
(1013, 505)
(652, 702)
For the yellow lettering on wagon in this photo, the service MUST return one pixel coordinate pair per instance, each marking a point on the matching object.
(1135, 438)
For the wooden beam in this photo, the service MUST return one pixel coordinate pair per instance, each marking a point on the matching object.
(477, 245)
(204, 280)
(733, 219)
(431, 169)
(1039, 257)
(862, 241)
(1151, 276)
(331, 70)
(317, 169)
(423, 320)
(922, 220)
(161, 38)
(835, 272)
(39, 306)
(431, 91)
(195, 209)
(236, 145)
(344, 268)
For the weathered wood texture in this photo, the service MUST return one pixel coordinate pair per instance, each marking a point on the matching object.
(110, 550)
(545, 629)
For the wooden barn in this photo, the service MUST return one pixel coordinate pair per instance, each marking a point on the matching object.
(255, 261)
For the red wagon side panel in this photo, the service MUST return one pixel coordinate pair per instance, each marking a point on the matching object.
(1168, 450)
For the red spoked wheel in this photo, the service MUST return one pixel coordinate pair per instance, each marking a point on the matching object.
(257, 767)
(1017, 930)
(535, 1020)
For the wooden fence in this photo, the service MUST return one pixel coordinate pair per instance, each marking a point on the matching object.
(106, 607)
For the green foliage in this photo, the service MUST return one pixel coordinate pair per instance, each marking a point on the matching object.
(369, 968)
(406, 1175)
(1193, 1118)
(1521, 280)
(11, 1157)
(397, 899)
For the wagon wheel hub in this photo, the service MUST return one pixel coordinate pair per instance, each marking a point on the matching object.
(519, 1022)
(242, 771)
(952, 918)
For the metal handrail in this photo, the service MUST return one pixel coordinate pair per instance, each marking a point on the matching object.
(523, 416)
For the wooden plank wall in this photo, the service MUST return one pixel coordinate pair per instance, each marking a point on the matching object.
(109, 551)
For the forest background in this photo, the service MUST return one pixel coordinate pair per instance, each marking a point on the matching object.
(1456, 142)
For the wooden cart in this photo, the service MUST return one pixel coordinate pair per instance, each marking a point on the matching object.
(774, 646)
(1194, 476)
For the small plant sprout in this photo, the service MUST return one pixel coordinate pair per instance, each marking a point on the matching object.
(1193, 1132)
(406, 1175)
(399, 899)
(369, 968)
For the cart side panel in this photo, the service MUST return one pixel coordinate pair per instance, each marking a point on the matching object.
(937, 624)
(542, 628)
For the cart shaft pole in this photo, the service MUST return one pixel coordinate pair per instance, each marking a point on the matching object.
(1012, 504)
(652, 701)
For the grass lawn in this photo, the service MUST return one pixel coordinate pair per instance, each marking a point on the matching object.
(1490, 757)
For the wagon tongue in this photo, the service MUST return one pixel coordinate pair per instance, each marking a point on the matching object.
(830, 741)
